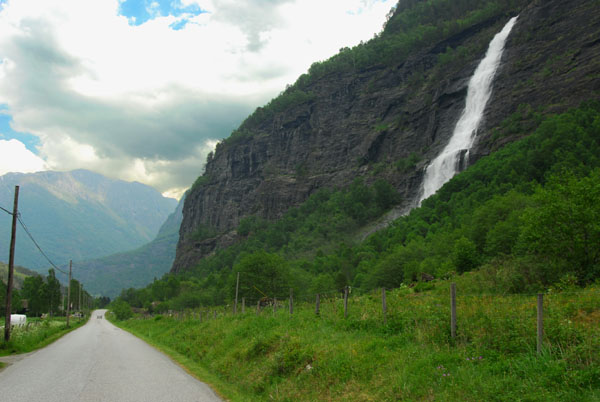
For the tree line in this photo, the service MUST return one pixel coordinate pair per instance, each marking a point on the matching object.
(46, 295)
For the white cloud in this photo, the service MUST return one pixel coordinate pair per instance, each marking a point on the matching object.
(15, 157)
(143, 101)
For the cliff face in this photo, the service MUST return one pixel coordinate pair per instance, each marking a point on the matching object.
(368, 123)
(551, 62)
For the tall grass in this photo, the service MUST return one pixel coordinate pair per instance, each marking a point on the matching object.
(37, 334)
(275, 356)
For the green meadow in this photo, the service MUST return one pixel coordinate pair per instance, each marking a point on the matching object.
(412, 356)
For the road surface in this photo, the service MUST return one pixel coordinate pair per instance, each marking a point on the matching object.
(99, 362)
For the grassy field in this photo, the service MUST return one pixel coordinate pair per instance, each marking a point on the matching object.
(37, 334)
(275, 356)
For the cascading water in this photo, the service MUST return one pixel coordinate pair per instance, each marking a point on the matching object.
(456, 153)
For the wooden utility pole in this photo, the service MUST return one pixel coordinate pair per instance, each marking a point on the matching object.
(237, 287)
(79, 304)
(69, 292)
(11, 265)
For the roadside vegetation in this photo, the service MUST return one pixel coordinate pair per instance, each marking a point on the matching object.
(40, 299)
(38, 333)
(278, 356)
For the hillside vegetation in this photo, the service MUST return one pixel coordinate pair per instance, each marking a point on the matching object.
(525, 216)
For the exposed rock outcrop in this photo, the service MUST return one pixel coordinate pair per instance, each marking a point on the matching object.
(365, 123)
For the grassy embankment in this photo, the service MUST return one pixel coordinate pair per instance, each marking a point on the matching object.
(37, 334)
(412, 357)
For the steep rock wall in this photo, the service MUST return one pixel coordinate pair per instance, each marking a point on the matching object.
(363, 123)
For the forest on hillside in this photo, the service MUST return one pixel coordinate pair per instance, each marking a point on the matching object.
(524, 219)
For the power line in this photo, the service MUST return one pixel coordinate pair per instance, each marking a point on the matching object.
(37, 245)
(6, 210)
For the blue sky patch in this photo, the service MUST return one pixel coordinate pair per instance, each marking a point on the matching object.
(7, 133)
(140, 11)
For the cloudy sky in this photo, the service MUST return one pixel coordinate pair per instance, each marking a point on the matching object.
(141, 89)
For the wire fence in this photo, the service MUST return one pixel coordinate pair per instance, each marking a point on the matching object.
(552, 318)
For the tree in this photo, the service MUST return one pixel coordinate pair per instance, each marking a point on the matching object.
(262, 273)
(465, 256)
(121, 309)
(53, 292)
(34, 290)
(563, 227)
(385, 195)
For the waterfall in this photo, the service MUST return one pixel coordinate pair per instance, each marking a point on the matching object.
(455, 155)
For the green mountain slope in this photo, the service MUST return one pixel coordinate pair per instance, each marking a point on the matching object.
(108, 275)
(284, 201)
(79, 214)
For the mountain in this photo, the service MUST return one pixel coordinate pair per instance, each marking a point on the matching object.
(20, 274)
(136, 268)
(386, 108)
(79, 215)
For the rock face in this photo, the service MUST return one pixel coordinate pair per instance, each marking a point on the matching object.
(551, 63)
(367, 123)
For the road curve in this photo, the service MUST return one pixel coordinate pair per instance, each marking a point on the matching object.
(100, 362)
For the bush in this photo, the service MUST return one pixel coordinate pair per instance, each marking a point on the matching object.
(121, 309)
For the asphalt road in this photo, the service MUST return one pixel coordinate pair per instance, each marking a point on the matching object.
(100, 362)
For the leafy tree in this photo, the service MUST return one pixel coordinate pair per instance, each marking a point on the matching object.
(121, 309)
(102, 301)
(564, 225)
(385, 195)
(34, 290)
(53, 292)
(465, 257)
(262, 273)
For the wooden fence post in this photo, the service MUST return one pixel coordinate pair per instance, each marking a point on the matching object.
(346, 302)
(257, 307)
(317, 305)
(540, 322)
(274, 305)
(243, 305)
(384, 306)
(291, 301)
(453, 310)
(237, 286)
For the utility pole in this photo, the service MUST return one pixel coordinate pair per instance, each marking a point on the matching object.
(11, 266)
(79, 304)
(69, 292)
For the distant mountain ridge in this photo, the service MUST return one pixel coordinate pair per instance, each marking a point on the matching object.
(79, 215)
(107, 276)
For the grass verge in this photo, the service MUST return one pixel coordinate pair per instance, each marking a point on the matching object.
(38, 334)
(275, 356)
